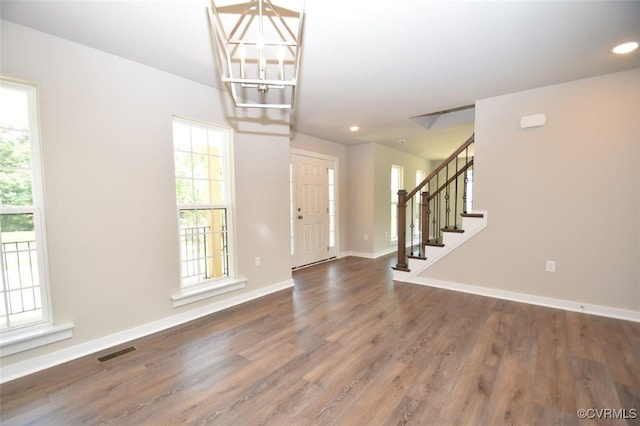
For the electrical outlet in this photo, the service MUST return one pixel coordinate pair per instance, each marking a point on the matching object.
(366, 237)
(258, 261)
(550, 266)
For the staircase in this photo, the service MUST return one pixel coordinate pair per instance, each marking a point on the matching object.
(436, 217)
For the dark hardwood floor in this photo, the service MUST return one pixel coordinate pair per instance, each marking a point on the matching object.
(348, 347)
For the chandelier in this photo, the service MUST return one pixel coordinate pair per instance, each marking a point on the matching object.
(257, 47)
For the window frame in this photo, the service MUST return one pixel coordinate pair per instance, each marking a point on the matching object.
(393, 238)
(469, 190)
(332, 207)
(207, 288)
(36, 209)
(420, 175)
(30, 336)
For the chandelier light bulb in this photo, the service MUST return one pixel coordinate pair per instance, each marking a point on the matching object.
(260, 42)
(242, 51)
(281, 62)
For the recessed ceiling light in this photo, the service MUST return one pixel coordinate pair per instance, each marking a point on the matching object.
(354, 128)
(624, 48)
(402, 141)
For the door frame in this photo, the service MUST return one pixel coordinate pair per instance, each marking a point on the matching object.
(336, 168)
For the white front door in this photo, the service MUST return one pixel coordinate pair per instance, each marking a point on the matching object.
(311, 210)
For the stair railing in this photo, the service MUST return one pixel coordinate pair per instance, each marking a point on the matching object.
(442, 195)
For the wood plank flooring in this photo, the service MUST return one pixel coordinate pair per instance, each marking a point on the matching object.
(348, 347)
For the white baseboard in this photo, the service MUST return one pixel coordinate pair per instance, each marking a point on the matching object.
(19, 369)
(361, 254)
(550, 302)
(385, 252)
(371, 255)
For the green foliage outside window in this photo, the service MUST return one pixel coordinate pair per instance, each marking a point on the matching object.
(15, 178)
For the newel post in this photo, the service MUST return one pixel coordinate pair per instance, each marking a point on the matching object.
(402, 231)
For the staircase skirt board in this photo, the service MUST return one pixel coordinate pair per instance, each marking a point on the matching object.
(471, 224)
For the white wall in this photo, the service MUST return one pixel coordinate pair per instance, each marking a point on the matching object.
(370, 194)
(361, 199)
(568, 191)
(109, 190)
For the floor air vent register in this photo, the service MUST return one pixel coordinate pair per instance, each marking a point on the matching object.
(112, 355)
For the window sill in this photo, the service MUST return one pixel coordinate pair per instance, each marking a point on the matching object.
(207, 291)
(33, 337)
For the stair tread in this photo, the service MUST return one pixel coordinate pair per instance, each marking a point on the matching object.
(479, 215)
(395, 268)
(457, 230)
(434, 244)
(412, 256)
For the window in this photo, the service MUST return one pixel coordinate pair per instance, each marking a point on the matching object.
(396, 184)
(469, 191)
(331, 174)
(201, 159)
(417, 205)
(419, 177)
(292, 210)
(23, 293)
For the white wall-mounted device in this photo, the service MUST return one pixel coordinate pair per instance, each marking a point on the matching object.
(535, 120)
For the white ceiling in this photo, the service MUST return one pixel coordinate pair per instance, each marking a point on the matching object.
(372, 63)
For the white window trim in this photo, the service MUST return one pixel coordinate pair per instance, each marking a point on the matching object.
(206, 291)
(33, 336)
(393, 240)
(215, 287)
(420, 175)
(42, 333)
(334, 191)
